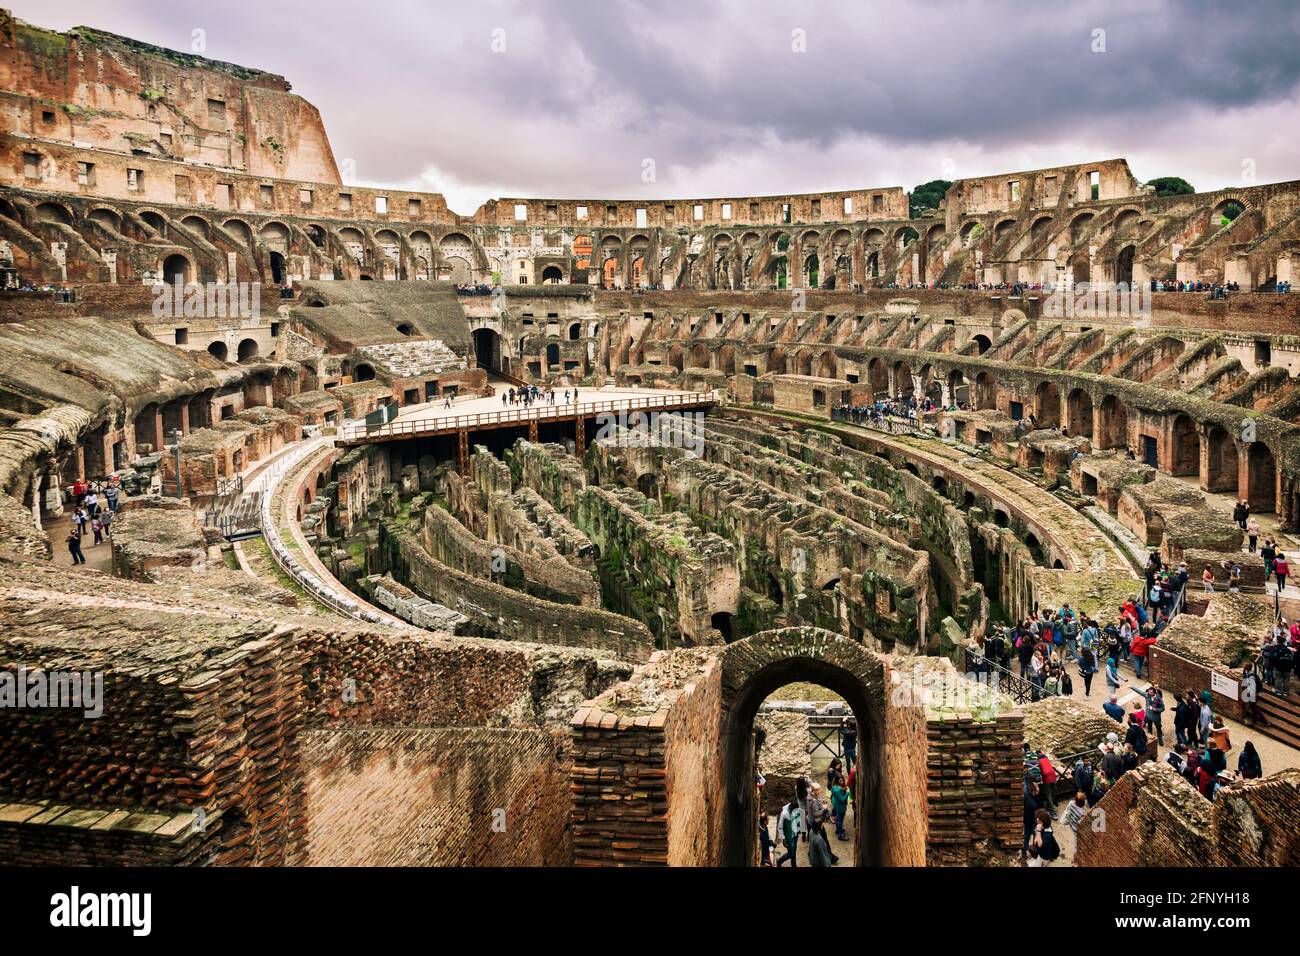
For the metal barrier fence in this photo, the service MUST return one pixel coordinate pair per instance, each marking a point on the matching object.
(512, 416)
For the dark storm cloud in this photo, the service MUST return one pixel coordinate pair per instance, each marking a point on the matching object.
(715, 93)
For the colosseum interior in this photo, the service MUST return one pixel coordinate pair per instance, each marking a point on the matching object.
(354, 583)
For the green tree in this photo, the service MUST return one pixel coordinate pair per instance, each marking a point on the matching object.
(927, 197)
(1171, 186)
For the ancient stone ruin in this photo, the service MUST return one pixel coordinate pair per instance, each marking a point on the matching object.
(355, 587)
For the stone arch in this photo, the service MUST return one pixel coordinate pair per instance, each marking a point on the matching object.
(826, 365)
(755, 667)
(155, 221)
(109, 218)
(982, 344)
(1114, 424)
(1221, 461)
(197, 224)
(240, 230)
(248, 349)
(1124, 264)
(53, 212)
(1184, 447)
(877, 377)
(177, 270)
(1261, 479)
(1047, 405)
(1079, 410)
(986, 391)
(218, 350)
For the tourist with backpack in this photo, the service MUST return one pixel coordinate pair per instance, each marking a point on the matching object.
(1155, 709)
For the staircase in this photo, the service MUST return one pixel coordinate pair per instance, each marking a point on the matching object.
(1280, 716)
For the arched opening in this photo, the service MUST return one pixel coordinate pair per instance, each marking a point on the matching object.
(277, 268)
(958, 391)
(648, 485)
(1080, 267)
(218, 350)
(552, 275)
(1114, 424)
(364, 372)
(982, 344)
(552, 354)
(247, 349)
(1261, 479)
(878, 378)
(1221, 461)
(986, 391)
(176, 270)
(1080, 411)
(811, 265)
(1185, 447)
(575, 331)
(725, 624)
(1047, 405)
(405, 328)
(762, 665)
(1226, 212)
(1124, 265)
(1035, 548)
(487, 349)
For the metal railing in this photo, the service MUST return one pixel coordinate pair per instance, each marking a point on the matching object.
(1020, 689)
(358, 431)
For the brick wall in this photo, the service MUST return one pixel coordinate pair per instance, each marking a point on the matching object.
(434, 797)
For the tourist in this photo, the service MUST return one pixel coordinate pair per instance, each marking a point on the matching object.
(1136, 736)
(1206, 715)
(1044, 839)
(764, 841)
(1030, 815)
(1252, 533)
(790, 823)
(97, 527)
(1076, 810)
(1207, 579)
(1128, 758)
(1268, 552)
(1113, 709)
(74, 547)
(1248, 763)
(110, 495)
(1219, 735)
(833, 771)
(1112, 763)
(839, 807)
(1087, 668)
(1140, 647)
(1240, 513)
(1113, 679)
(91, 503)
(1155, 709)
(849, 741)
(1283, 664)
(1280, 571)
(1249, 694)
(819, 849)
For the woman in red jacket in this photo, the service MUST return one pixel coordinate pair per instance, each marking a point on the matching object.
(1139, 648)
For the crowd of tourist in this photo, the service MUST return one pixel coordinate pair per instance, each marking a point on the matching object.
(529, 395)
(94, 505)
(880, 413)
(805, 817)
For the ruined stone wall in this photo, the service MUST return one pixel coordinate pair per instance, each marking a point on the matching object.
(551, 579)
(974, 770)
(434, 797)
(502, 612)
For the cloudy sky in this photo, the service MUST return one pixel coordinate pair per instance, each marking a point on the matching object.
(565, 98)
